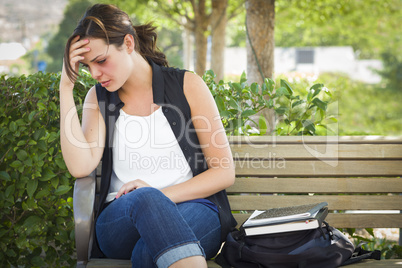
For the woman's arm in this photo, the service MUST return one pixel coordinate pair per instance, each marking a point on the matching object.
(214, 144)
(82, 147)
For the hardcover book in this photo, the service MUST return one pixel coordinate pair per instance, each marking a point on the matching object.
(311, 222)
(284, 214)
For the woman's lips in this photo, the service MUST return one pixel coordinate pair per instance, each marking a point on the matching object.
(105, 83)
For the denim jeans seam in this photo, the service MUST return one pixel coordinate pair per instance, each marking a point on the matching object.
(213, 230)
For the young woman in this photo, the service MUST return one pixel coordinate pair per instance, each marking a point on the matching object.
(165, 155)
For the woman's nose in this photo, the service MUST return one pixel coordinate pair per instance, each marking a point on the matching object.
(96, 73)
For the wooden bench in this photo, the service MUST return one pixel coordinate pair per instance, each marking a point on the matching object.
(359, 177)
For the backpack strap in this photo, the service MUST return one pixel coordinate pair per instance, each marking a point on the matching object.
(361, 254)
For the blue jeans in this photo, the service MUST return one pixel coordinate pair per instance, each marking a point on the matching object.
(149, 228)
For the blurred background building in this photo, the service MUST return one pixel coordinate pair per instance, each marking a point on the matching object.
(310, 61)
(23, 23)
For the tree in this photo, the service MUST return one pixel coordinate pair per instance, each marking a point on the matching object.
(195, 18)
(260, 22)
(73, 12)
(222, 12)
(218, 34)
(371, 27)
(202, 18)
(200, 25)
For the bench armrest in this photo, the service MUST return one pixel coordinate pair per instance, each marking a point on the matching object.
(83, 202)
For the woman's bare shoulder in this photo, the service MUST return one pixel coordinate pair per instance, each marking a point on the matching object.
(91, 95)
(195, 89)
(91, 100)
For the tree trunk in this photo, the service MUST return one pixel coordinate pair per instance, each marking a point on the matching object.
(200, 51)
(260, 24)
(201, 20)
(218, 29)
(260, 39)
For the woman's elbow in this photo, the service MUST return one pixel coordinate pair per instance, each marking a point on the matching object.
(230, 176)
(80, 171)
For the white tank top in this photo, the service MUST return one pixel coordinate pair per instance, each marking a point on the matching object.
(145, 147)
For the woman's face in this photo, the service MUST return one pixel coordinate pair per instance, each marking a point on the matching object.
(109, 65)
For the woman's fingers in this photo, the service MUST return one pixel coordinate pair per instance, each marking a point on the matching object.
(131, 186)
(126, 188)
(77, 43)
(77, 50)
(76, 54)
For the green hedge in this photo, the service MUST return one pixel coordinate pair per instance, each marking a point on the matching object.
(37, 227)
(240, 104)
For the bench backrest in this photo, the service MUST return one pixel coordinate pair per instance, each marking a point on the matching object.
(359, 177)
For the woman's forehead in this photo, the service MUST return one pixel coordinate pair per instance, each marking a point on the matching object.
(98, 49)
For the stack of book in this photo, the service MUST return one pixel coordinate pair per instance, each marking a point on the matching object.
(286, 219)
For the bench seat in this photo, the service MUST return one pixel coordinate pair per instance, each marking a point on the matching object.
(109, 263)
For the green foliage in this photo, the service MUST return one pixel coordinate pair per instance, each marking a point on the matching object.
(392, 251)
(361, 109)
(72, 14)
(369, 26)
(238, 103)
(392, 72)
(365, 109)
(37, 228)
(389, 249)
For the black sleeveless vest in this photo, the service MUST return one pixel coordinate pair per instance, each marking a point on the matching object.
(167, 88)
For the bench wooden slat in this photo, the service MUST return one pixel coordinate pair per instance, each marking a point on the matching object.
(390, 263)
(113, 263)
(110, 263)
(316, 185)
(321, 151)
(351, 220)
(103, 263)
(363, 263)
(315, 139)
(335, 202)
(289, 168)
(365, 220)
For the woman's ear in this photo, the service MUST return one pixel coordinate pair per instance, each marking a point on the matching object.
(129, 44)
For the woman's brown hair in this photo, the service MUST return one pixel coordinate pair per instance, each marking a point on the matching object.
(112, 24)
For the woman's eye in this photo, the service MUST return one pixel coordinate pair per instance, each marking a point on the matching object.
(85, 66)
(101, 61)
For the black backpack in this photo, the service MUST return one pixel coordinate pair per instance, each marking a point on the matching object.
(316, 248)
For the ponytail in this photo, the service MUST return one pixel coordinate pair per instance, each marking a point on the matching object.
(147, 37)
